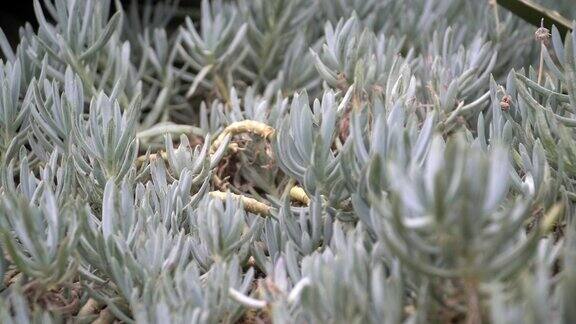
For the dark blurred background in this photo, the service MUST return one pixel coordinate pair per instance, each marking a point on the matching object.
(15, 15)
(19, 12)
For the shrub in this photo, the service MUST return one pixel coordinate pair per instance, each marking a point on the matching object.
(288, 161)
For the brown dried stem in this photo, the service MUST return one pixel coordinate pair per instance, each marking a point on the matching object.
(250, 204)
(245, 126)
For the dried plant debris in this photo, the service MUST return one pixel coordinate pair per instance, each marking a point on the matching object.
(288, 161)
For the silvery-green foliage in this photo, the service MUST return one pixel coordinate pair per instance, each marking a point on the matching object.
(173, 299)
(534, 297)
(216, 48)
(274, 35)
(453, 76)
(545, 106)
(19, 55)
(567, 282)
(377, 127)
(508, 128)
(154, 52)
(417, 20)
(350, 285)
(507, 33)
(41, 237)
(498, 126)
(272, 245)
(533, 289)
(55, 111)
(267, 108)
(170, 201)
(12, 112)
(366, 10)
(560, 89)
(292, 233)
(279, 293)
(216, 115)
(194, 160)
(162, 80)
(14, 309)
(248, 107)
(297, 71)
(308, 229)
(304, 141)
(80, 38)
(393, 135)
(133, 244)
(141, 234)
(143, 18)
(511, 38)
(221, 230)
(380, 130)
(438, 167)
(56, 175)
(353, 55)
(187, 296)
(118, 219)
(342, 284)
(106, 146)
(419, 224)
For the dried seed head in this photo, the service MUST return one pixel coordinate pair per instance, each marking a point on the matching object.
(505, 102)
(342, 83)
(542, 34)
(345, 127)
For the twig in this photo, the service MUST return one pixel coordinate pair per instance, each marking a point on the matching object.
(245, 126)
(245, 300)
(552, 218)
(105, 317)
(494, 5)
(222, 88)
(474, 312)
(533, 13)
(250, 204)
(143, 158)
(542, 34)
(165, 128)
(91, 307)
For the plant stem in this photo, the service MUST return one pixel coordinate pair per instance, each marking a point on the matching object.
(245, 126)
(250, 204)
(89, 308)
(222, 88)
(474, 313)
(494, 5)
(541, 64)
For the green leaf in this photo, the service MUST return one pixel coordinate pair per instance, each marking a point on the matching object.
(104, 37)
(534, 13)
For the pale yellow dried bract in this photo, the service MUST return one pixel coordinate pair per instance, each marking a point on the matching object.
(251, 205)
(298, 194)
(245, 126)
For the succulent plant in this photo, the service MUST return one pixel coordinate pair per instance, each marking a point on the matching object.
(287, 161)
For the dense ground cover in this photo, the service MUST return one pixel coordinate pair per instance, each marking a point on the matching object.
(309, 161)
